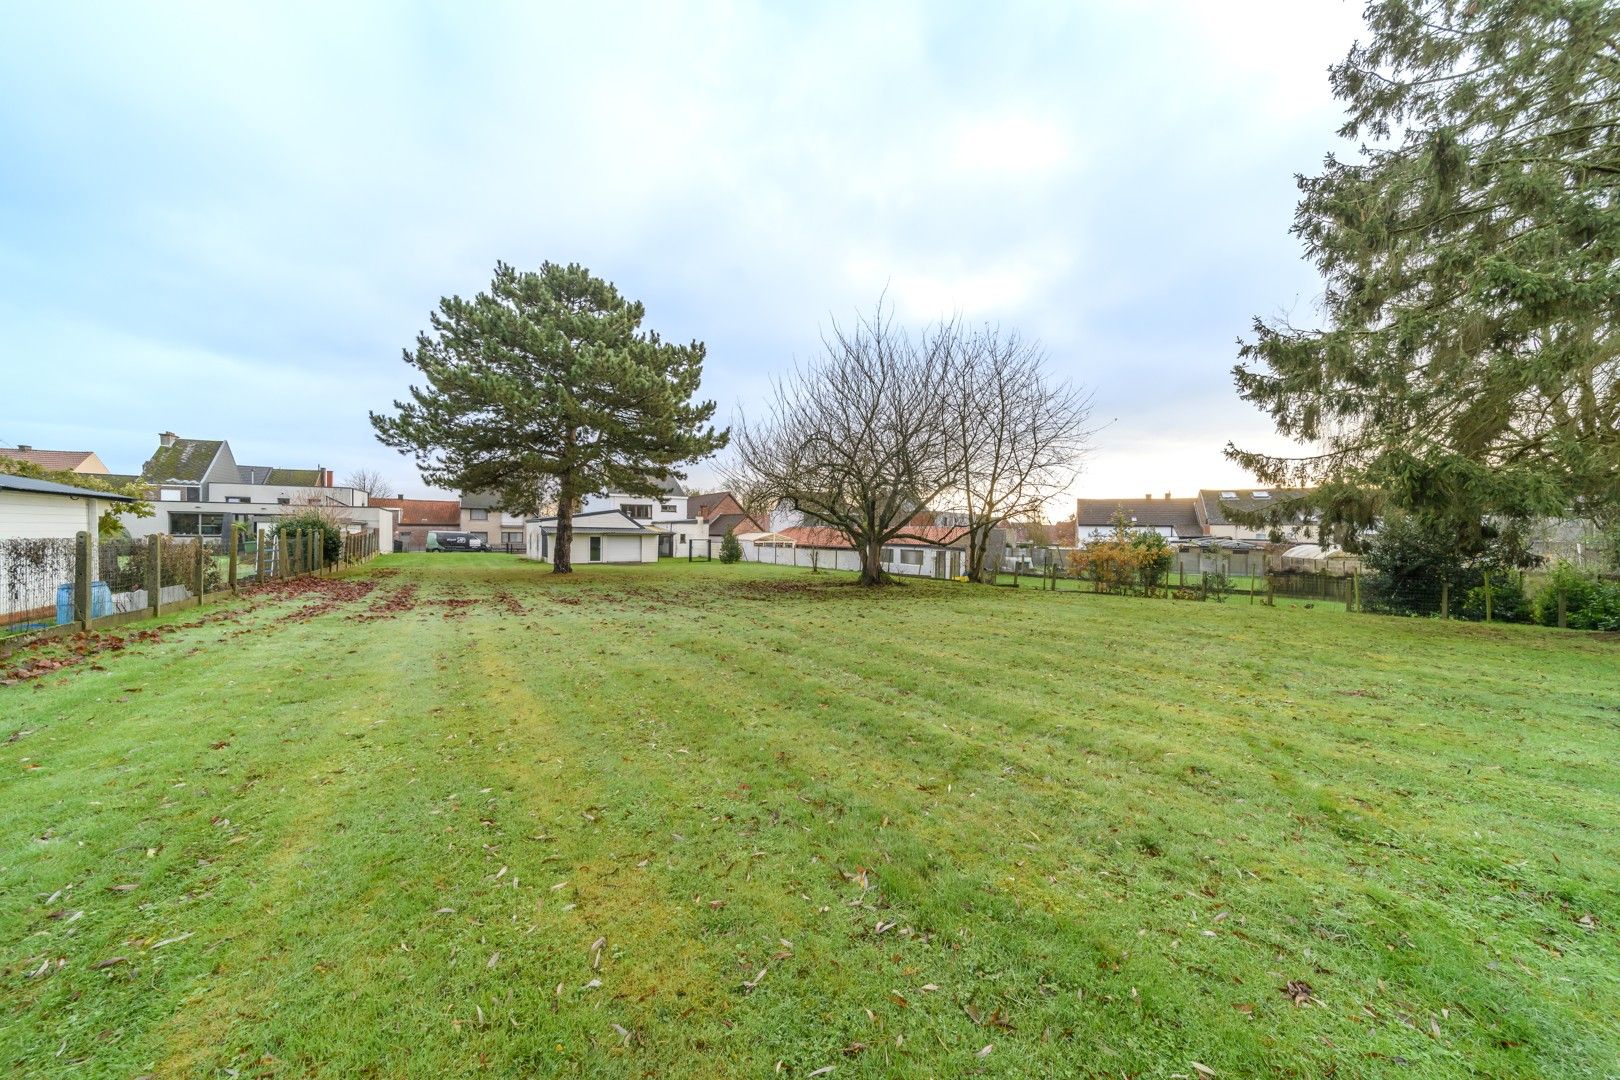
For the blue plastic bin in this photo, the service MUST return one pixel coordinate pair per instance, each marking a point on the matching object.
(101, 601)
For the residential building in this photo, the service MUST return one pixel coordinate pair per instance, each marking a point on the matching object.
(1214, 505)
(600, 536)
(198, 489)
(668, 512)
(717, 512)
(481, 513)
(1206, 514)
(415, 518)
(1172, 519)
(79, 461)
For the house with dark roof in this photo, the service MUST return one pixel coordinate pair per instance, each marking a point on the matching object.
(721, 513)
(200, 490)
(1094, 519)
(668, 511)
(600, 536)
(79, 461)
(1285, 506)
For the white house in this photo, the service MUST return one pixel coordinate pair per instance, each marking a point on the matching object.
(39, 526)
(669, 512)
(601, 536)
(938, 551)
(199, 490)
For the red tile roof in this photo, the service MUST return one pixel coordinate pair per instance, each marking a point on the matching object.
(446, 512)
(66, 460)
(823, 536)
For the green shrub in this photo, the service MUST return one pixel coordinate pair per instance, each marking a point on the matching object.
(1508, 601)
(730, 548)
(1589, 603)
(314, 520)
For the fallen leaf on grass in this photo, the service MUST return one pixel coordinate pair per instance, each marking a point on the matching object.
(1201, 1069)
(121, 888)
(107, 963)
(988, 1048)
(756, 980)
(1298, 991)
(823, 1071)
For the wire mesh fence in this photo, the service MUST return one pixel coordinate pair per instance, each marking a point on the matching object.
(32, 573)
(76, 581)
(1565, 597)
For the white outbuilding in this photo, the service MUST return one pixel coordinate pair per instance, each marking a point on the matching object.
(39, 526)
(601, 536)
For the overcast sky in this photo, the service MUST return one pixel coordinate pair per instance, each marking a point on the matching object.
(228, 219)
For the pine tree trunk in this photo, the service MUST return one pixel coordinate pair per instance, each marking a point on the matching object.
(562, 556)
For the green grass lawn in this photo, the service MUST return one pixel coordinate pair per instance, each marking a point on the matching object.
(453, 816)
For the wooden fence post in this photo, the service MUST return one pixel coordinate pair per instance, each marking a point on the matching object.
(201, 574)
(258, 558)
(154, 572)
(236, 538)
(1355, 588)
(81, 581)
(1445, 599)
(1563, 610)
(1487, 576)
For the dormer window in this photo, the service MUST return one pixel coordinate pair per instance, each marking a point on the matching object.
(1228, 494)
(1262, 494)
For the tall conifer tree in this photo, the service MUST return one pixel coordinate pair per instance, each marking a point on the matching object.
(546, 385)
(1470, 365)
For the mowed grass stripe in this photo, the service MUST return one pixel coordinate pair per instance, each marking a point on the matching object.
(1051, 798)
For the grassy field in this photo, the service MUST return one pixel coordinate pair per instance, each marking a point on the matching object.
(451, 816)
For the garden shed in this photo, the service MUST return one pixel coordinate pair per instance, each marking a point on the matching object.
(40, 522)
(602, 536)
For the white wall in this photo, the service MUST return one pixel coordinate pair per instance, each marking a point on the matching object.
(616, 548)
(269, 493)
(844, 558)
(369, 517)
(29, 516)
(41, 517)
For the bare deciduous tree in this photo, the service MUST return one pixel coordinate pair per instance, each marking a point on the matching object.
(369, 481)
(1015, 435)
(856, 438)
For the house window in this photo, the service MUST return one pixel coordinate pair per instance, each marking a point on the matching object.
(668, 508)
(478, 515)
(284, 501)
(196, 524)
(511, 538)
(236, 498)
(911, 557)
(596, 549)
(888, 555)
(639, 511)
(169, 494)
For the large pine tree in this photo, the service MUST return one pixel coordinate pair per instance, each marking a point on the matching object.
(546, 385)
(1471, 249)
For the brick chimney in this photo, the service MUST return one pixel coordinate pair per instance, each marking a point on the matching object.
(1167, 494)
(24, 446)
(167, 438)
